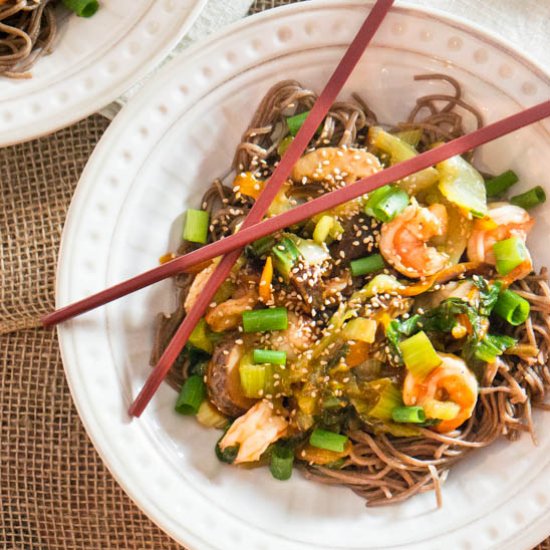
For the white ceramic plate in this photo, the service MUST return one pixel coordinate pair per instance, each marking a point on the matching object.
(155, 159)
(93, 62)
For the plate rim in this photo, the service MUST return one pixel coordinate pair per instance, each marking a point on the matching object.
(143, 96)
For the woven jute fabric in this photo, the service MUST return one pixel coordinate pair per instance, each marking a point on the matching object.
(55, 492)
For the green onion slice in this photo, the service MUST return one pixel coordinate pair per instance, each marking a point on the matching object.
(285, 253)
(512, 307)
(262, 320)
(509, 254)
(284, 145)
(296, 122)
(199, 337)
(419, 355)
(252, 378)
(500, 184)
(366, 265)
(272, 356)
(195, 229)
(530, 198)
(389, 398)
(331, 441)
(262, 246)
(360, 329)
(413, 415)
(82, 8)
(386, 202)
(323, 228)
(282, 459)
(191, 396)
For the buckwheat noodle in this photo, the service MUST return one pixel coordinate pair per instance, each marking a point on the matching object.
(27, 31)
(383, 469)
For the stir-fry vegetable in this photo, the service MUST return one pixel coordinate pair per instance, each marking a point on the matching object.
(262, 320)
(191, 396)
(195, 229)
(530, 199)
(498, 185)
(509, 254)
(345, 341)
(82, 8)
(512, 308)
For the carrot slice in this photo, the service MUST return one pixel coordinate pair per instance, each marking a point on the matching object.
(442, 277)
(358, 352)
(314, 455)
(265, 281)
(247, 184)
(168, 257)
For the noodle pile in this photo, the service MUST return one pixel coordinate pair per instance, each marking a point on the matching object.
(381, 468)
(27, 31)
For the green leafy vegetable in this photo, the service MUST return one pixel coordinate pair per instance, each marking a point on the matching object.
(488, 294)
(285, 253)
(491, 346)
(399, 150)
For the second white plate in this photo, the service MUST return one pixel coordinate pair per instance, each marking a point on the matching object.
(93, 62)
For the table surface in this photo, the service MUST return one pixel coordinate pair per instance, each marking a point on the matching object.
(55, 492)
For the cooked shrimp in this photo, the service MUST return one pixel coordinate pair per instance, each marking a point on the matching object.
(297, 338)
(254, 432)
(404, 240)
(336, 167)
(228, 314)
(506, 220)
(197, 286)
(335, 164)
(448, 393)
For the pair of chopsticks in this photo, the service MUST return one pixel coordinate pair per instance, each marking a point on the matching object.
(317, 114)
(254, 228)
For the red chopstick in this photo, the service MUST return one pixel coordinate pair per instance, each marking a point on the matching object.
(316, 206)
(317, 114)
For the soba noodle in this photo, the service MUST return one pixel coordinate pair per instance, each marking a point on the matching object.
(381, 468)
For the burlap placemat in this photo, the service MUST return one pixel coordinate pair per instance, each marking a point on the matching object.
(55, 493)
